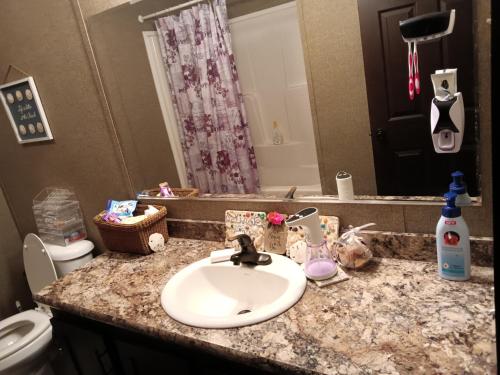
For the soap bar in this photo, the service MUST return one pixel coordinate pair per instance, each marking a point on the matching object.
(221, 255)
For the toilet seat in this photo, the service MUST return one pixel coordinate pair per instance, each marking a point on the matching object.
(17, 331)
(29, 347)
(25, 335)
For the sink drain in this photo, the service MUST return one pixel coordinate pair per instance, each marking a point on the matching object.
(244, 312)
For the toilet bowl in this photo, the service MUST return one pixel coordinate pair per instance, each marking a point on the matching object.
(25, 337)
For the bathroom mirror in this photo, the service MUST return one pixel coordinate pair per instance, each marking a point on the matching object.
(325, 88)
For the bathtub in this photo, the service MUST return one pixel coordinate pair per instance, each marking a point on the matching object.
(286, 165)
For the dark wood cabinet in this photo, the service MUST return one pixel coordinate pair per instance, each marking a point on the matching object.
(82, 351)
(137, 359)
(87, 347)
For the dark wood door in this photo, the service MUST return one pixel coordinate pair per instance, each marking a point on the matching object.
(405, 160)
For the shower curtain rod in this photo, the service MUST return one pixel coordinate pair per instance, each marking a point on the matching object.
(161, 12)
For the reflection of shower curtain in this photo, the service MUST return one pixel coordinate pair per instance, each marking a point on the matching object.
(215, 138)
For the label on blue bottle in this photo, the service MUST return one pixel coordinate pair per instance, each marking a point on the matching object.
(452, 255)
(452, 262)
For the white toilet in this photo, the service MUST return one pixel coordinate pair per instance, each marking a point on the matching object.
(25, 337)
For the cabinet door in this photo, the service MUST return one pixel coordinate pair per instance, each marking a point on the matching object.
(138, 359)
(84, 348)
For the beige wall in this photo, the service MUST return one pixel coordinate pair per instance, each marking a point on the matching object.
(84, 154)
(334, 59)
(92, 7)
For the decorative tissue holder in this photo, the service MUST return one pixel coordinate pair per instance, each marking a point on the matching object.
(276, 233)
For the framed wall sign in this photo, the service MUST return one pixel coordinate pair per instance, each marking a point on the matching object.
(25, 111)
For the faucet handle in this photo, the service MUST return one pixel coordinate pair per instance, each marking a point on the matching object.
(248, 253)
(245, 242)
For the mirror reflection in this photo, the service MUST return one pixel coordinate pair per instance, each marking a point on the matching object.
(257, 96)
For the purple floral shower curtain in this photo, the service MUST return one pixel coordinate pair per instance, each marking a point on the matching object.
(215, 138)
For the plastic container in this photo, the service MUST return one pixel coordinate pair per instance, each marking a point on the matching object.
(58, 216)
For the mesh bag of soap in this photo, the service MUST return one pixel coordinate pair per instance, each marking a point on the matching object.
(350, 249)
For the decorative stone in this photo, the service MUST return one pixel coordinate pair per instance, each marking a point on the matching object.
(252, 223)
(156, 242)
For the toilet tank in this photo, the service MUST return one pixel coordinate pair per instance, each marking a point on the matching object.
(69, 258)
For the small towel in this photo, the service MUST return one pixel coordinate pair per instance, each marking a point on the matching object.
(217, 256)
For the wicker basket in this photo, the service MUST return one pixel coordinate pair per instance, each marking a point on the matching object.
(133, 238)
(178, 192)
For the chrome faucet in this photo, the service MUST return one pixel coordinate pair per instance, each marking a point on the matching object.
(248, 254)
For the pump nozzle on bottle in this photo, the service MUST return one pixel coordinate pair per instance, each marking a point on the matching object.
(459, 187)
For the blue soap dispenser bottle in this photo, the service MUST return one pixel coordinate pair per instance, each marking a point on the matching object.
(453, 243)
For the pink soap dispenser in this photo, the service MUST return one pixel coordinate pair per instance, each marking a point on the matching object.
(319, 263)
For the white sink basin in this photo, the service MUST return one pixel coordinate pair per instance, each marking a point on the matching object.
(222, 295)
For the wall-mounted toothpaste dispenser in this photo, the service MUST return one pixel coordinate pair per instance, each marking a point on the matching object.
(447, 112)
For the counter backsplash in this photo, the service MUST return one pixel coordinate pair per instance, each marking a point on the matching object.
(409, 246)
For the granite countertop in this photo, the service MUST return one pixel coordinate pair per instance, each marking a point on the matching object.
(394, 317)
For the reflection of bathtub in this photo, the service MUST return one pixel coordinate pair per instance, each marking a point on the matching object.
(289, 164)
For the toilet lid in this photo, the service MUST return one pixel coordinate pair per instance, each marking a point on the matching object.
(39, 268)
